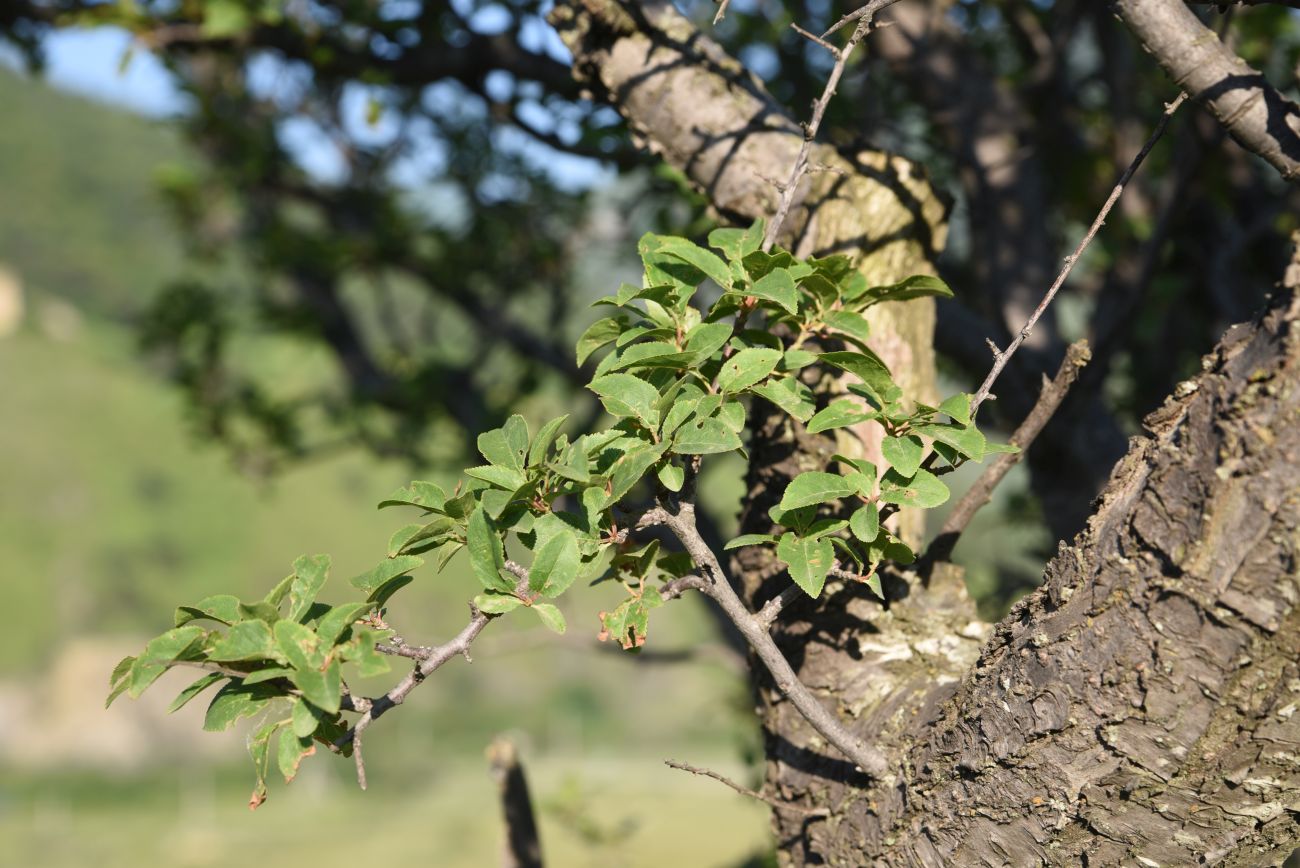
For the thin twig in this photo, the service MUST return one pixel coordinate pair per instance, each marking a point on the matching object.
(722, 12)
(436, 656)
(1001, 357)
(772, 608)
(864, 16)
(746, 791)
(1054, 392)
(681, 521)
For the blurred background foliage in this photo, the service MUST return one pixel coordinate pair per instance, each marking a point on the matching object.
(360, 233)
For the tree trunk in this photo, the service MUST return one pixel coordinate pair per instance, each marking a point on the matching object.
(1139, 706)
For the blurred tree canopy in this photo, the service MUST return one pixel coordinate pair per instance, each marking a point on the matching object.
(420, 197)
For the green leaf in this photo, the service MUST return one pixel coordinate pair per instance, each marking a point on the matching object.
(707, 338)
(304, 718)
(968, 441)
(545, 437)
(338, 620)
(361, 651)
(777, 286)
(653, 354)
(299, 645)
(223, 608)
(672, 477)
(838, 414)
(630, 468)
(425, 495)
(309, 574)
(732, 414)
(697, 256)
(551, 616)
(507, 445)
(736, 244)
(234, 701)
(508, 478)
(853, 325)
(555, 567)
(323, 689)
(497, 604)
(705, 437)
(247, 640)
(626, 395)
(790, 395)
(903, 453)
(809, 561)
(291, 752)
(598, 334)
(924, 490)
(259, 748)
(202, 684)
(916, 286)
(868, 367)
(118, 681)
(957, 408)
(746, 368)
(430, 534)
(373, 580)
(991, 448)
(180, 643)
(486, 554)
(815, 487)
(750, 539)
(865, 523)
(794, 360)
(269, 674)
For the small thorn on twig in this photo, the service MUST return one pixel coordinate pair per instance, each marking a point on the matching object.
(993, 347)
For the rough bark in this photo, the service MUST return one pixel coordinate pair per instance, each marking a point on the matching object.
(1140, 707)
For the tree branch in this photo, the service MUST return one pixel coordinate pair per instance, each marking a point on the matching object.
(681, 522)
(746, 791)
(1248, 107)
(1049, 400)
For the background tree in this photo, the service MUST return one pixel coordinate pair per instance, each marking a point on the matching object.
(1026, 112)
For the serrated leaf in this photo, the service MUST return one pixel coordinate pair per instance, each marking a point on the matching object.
(697, 256)
(197, 687)
(777, 286)
(968, 441)
(671, 477)
(991, 448)
(372, 580)
(259, 748)
(234, 701)
(870, 369)
(794, 360)
(732, 414)
(247, 640)
(323, 689)
(507, 445)
(551, 616)
(790, 395)
(486, 554)
(598, 334)
(924, 490)
(736, 244)
(507, 478)
(299, 645)
(838, 414)
(309, 575)
(179, 643)
(916, 286)
(865, 523)
(626, 395)
(545, 437)
(809, 561)
(903, 453)
(707, 338)
(957, 408)
(749, 539)
(304, 718)
(425, 495)
(705, 437)
(118, 680)
(361, 651)
(814, 487)
(746, 368)
(268, 674)
(556, 564)
(223, 608)
(290, 753)
(846, 322)
(497, 604)
(334, 623)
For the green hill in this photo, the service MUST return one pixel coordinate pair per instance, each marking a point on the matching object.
(79, 212)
